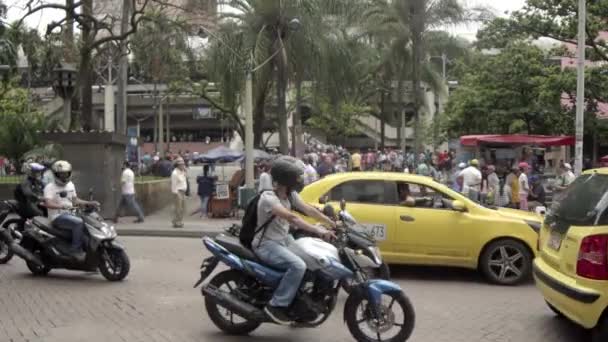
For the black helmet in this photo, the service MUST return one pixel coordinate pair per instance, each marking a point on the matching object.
(288, 171)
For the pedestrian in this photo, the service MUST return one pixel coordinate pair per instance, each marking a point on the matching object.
(524, 187)
(423, 169)
(513, 182)
(565, 178)
(179, 186)
(457, 177)
(504, 195)
(310, 174)
(537, 194)
(326, 167)
(493, 186)
(127, 198)
(265, 183)
(206, 188)
(485, 188)
(471, 180)
(356, 161)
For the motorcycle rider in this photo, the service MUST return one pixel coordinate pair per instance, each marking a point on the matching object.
(60, 196)
(272, 244)
(29, 192)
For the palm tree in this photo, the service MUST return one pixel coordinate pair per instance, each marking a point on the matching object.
(8, 53)
(405, 25)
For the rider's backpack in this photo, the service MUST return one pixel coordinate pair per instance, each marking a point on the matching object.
(250, 227)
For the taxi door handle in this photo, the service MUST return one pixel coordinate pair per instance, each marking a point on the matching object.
(407, 218)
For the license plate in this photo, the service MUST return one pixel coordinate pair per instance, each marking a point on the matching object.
(375, 230)
(555, 241)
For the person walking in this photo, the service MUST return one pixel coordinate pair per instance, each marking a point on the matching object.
(493, 186)
(127, 198)
(356, 161)
(513, 182)
(524, 186)
(179, 186)
(206, 188)
(565, 178)
(471, 180)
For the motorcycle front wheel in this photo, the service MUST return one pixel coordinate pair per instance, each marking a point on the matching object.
(393, 323)
(114, 264)
(382, 272)
(230, 323)
(5, 251)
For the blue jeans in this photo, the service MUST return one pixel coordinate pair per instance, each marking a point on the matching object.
(74, 223)
(204, 205)
(129, 201)
(277, 255)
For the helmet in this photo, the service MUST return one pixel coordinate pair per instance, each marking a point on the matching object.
(34, 170)
(288, 171)
(62, 170)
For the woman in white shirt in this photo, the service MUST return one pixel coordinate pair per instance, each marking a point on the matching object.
(524, 187)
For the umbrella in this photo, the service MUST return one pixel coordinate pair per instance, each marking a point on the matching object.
(221, 154)
(259, 155)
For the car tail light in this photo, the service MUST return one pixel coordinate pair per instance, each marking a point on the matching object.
(593, 258)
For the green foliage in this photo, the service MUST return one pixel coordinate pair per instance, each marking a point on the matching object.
(340, 120)
(512, 92)
(18, 132)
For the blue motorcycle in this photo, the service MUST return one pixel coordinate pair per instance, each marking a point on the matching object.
(375, 310)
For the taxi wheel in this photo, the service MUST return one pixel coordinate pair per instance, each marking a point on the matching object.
(506, 262)
(600, 333)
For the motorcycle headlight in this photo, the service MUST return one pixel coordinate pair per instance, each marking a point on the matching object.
(108, 230)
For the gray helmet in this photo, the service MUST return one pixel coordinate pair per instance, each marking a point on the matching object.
(62, 170)
(288, 171)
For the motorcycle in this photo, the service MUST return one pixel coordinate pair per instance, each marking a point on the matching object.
(12, 227)
(45, 246)
(235, 298)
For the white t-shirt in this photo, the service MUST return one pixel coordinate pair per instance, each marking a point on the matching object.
(128, 182)
(471, 179)
(179, 182)
(52, 192)
(523, 184)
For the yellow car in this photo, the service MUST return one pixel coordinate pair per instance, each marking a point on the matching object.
(419, 221)
(571, 269)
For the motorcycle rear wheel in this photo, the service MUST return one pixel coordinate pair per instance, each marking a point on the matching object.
(114, 264)
(228, 281)
(5, 252)
(39, 271)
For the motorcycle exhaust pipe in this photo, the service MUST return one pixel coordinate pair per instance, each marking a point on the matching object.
(25, 254)
(233, 304)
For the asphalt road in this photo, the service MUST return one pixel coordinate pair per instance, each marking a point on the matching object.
(157, 303)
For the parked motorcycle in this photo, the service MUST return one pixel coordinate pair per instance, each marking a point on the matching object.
(45, 246)
(235, 298)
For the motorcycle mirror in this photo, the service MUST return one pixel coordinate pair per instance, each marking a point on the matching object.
(329, 211)
(343, 204)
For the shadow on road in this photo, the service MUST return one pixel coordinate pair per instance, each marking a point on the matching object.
(565, 329)
(446, 274)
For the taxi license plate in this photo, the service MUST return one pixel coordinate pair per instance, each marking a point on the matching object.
(377, 231)
(555, 241)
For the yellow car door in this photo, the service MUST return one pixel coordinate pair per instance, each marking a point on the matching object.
(431, 232)
(372, 204)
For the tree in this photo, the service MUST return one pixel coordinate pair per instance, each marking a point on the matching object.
(8, 53)
(515, 91)
(19, 129)
(405, 25)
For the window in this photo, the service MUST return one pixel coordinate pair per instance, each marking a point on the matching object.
(424, 196)
(365, 191)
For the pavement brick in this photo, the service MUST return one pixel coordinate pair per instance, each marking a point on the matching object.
(158, 304)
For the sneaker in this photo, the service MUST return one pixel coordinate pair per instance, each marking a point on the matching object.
(277, 314)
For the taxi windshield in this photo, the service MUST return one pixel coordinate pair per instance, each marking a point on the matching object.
(584, 202)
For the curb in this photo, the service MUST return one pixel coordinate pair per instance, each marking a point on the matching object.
(175, 233)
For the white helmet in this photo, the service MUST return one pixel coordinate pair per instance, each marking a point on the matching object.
(62, 171)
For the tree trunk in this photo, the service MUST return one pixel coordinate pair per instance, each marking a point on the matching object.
(595, 147)
(298, 146)
(123, 71)
(382, 120)
(282, 105)
(89, 119)
(417, 9)
(259, 117)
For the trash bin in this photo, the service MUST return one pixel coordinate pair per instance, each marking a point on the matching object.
(245, 196)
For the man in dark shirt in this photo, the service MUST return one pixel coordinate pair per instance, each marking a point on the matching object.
(537, 192)
(206, 188)
(326, 167)
(29, 192)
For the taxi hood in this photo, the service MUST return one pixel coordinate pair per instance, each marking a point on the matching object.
(520, 214)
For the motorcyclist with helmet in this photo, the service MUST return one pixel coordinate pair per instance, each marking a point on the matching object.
(29, 193)
(60, 196)
(271, 244)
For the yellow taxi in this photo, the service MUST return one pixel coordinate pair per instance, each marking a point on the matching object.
(571, 269)
(416, 220)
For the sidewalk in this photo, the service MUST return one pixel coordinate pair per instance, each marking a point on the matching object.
(159, 224)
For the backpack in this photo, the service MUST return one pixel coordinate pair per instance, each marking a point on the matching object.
(249, 226)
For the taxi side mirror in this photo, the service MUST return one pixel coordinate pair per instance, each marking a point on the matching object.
(459, 206)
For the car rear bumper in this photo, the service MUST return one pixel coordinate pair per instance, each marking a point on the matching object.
(580, 304)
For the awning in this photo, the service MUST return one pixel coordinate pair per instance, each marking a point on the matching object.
(517, 139)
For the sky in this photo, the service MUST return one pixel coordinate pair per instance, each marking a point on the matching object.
(43, 18)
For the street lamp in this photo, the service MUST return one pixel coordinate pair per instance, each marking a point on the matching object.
(293, 25)
(64, 85)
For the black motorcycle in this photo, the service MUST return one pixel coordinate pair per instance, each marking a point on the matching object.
(45, 246)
